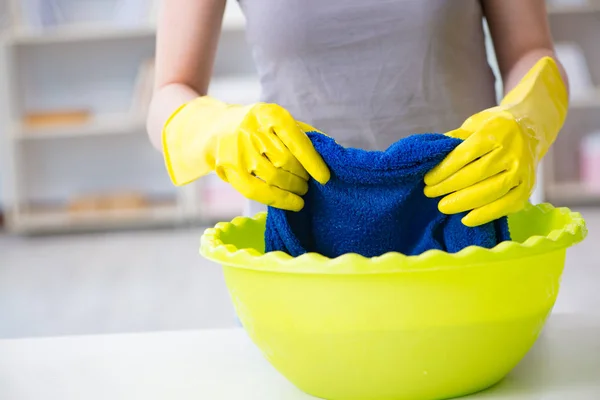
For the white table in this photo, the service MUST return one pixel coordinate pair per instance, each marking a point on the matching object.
(225, 365)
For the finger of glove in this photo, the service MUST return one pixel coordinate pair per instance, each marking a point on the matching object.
(300, 146)
(478, 195)
(255, 189)
(477, 171)
(263, 169)
(280, 156)
(465, 153)
(459, 133)
(512, 202)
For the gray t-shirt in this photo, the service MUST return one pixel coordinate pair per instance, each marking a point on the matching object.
(369, 73)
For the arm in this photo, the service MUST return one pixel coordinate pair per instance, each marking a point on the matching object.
(521, 37)
(187, 38)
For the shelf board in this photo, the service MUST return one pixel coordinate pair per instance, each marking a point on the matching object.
(573, 9)
(57, 220)
(97, 126)
(572, 193)
(75, 33)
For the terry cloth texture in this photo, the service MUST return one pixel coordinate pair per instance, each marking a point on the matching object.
(374, 204)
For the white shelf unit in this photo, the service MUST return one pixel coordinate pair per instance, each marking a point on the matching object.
(575, 22)
(97, 126)
(49, 221)
(44, 167)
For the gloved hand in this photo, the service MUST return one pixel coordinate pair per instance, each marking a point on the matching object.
(259, 149)
(492, 172)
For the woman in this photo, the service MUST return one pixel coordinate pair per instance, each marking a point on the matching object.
(367, 74)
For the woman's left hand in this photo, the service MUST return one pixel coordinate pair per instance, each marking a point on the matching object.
(492, 172)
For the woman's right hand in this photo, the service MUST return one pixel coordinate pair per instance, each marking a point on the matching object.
(260, 149)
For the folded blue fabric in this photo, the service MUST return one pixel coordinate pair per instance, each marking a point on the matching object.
(374, 204)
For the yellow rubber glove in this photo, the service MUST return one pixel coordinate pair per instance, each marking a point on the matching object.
(492, 172)
(259, 149)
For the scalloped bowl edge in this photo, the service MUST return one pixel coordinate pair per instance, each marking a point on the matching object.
(215, 248)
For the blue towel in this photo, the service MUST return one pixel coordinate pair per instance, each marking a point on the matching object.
(374, 203)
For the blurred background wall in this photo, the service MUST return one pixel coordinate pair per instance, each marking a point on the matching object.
(96, 239)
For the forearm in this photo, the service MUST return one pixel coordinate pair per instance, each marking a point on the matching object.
(512, 77)
(186, 43)
(521, 37)
(165, 101)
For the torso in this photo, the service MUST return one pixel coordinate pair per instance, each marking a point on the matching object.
(371, 72)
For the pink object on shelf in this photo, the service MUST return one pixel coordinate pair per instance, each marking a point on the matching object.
(220, 200)
(590, 161)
